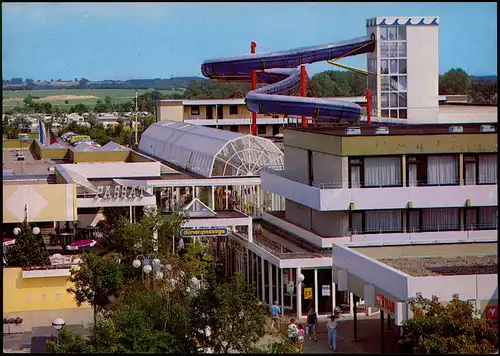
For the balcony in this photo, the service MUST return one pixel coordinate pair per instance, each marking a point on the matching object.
(332, 196)
(449, 234)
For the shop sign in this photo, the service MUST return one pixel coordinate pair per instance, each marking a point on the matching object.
(325, 290)
(119, 191)
(385, 303)
(205, 232)
(308, 293)
(492, 312)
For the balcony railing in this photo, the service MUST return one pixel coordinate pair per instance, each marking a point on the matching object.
(419, 229)
(279, 170)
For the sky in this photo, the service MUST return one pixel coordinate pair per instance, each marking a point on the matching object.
(121, 41)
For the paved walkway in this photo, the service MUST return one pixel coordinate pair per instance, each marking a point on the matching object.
(368, 337)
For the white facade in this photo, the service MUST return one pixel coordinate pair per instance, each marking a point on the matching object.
(406, 64)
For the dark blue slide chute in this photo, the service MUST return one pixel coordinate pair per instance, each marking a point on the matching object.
(279, 69)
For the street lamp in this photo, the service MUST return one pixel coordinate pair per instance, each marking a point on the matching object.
(36, 230)
(58, 324)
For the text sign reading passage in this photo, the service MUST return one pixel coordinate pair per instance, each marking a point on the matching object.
(205, 232)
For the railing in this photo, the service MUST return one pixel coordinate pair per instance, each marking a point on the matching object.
(414, 229)
(279, 170)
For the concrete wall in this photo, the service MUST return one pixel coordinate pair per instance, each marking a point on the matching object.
(417, 144)
(113, 156)
(423, 73)
(116, 170)
(296, 164)
(16, 143)
(298, 214)
(30, 294)
(330, 223)
(330, 168)
(313, 141)
(464, 114)
(136, 157)
(170, 111)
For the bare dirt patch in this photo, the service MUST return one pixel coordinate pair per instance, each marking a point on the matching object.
(67, 97)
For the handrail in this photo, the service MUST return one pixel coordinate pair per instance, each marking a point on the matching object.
(438, 228)
(279, 170)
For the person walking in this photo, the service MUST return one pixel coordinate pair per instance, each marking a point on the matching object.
(300, 337)
(331, 326)
(312, 320)
(275, 315)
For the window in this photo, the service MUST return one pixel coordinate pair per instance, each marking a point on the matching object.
(392, 33)
(385, 99)
(471, 218)
(413, 217)
(356, 222)
(402, 66)
(402, 33)
(384, 49)
(385, 113)
(401, 50)
(440, 219)
(416, 167)
(403, 83)
(488, 217)
(470, 164)
(384, 66)
(195, 110)
(385, 83)
(403, 114)
(262, 129)
(393, 66)
(393, 100)
(393, 49)
(355, 171)
(382, 171)
(488, 169)
(384, 33)
(442, 170)
(233, 109)
(402, 99)
(234, 128)
(378, 221)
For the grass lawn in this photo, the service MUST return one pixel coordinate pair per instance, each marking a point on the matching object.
(57, 97)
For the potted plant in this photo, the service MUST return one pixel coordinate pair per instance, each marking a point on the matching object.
(12, 325)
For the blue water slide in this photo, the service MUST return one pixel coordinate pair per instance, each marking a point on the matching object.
(279, 70)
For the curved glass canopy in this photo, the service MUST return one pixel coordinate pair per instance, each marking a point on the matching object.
(209, 152)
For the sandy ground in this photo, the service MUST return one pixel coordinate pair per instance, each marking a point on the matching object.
(67, 97)
(56, 98)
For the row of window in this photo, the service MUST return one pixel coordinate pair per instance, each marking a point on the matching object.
(423, 220)
(393, 50)
(392, 33)
(195, 109)
(422, 170)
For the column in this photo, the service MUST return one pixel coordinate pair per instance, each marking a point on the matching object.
(281, 294)
(298, 295)
(403, 165)
(355, 316)
(278, 284)
(193, 193)
(248, 265)
(131, 214)
(334, 297)
(382, 331)
(263, 281)
(197, 190)
(315, 291)
(351, 303)
(177, 198)
(211, 202)
(250, 229)
(461, 168)
(257, 206)
(270, 273)
(227, 199)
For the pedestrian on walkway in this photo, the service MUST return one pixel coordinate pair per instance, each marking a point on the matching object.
(331, 326)
(275, 314)
(300, 337)
(312, 320)
(292, 331)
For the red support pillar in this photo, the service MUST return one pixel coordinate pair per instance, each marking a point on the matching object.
(369, 107)
(254, 86)
(303, 78)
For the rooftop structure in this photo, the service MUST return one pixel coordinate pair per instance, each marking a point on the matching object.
(209, 152)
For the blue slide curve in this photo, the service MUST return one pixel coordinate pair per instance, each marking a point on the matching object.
(279, 69)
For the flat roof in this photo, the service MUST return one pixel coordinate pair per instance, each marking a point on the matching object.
(449, 266)
(30, 165)
(414, 129)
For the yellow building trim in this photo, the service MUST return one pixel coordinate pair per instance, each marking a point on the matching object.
(403, 164)
(461, 168)
(30, 294)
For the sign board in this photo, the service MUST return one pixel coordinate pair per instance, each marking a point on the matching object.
(205, 232)
(308, 293)
(492, 312)
(119, 191)
(325, 290)
(385, 303)
(290, 287)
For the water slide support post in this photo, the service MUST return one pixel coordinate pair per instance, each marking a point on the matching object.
(368, 107)
(254, 86)
(303, 77)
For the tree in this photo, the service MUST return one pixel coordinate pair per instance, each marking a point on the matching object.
(29, 249)
(454, 81)
(448, 328)
(107, 101)
(83, 82)
(69, 342)
(231, 312)
(79, 108)
(96, 280)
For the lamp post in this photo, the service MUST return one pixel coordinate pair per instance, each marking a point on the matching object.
(36, 230)
(151, 265)
(58, 324)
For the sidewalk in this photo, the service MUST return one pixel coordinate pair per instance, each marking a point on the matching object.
(368, 337)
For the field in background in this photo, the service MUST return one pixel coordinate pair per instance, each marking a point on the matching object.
(57, 97)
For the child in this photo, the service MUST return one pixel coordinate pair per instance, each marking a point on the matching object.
(300, 336)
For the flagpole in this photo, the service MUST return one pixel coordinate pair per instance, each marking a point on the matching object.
(136, 117)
